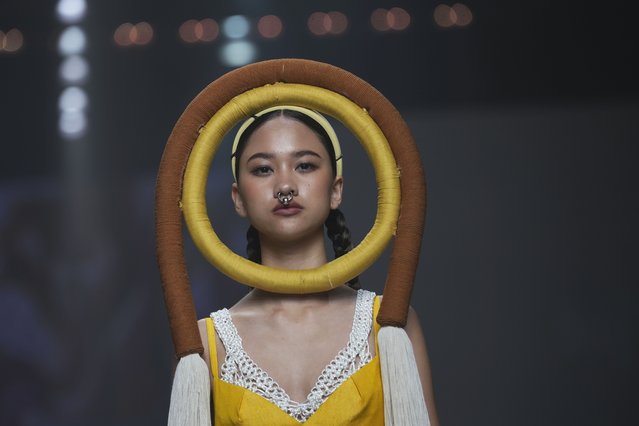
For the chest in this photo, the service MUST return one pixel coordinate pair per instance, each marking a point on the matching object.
(295, 364)
(294, 353)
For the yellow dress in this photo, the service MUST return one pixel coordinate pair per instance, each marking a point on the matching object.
(357, 401)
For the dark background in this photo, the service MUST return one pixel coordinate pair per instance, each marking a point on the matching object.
(527, 120)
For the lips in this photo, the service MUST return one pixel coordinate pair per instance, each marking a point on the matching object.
(291, 209)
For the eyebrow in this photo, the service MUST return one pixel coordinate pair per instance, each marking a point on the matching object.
(269, 156)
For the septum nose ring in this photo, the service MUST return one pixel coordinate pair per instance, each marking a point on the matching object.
(284, 199)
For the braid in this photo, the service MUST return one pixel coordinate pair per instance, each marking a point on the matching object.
(339, 234)
(253, 249)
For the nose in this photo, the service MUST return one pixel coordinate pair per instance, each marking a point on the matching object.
(284, 186)
(284, 190)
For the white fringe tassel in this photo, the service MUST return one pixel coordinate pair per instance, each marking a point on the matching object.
(404, 403)
(191, 393)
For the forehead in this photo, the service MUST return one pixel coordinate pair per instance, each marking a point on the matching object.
(284, 134)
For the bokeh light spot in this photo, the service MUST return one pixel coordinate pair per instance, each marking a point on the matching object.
(143, 33)
(269, 26)
(12, 41)
(444, 16)
(379, 19)
(463, 14)
(193, 30)
(237, 53)
(71, 11)
(210, 29)
(236, 26)
(317, 23)
(72, 41)
(129, 34)
(187, 31)
(122, 34)
(338, 22)
(73, 99)
(72, 124)
(398, 18)
(74, 69)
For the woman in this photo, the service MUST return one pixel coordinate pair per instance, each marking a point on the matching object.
(288, 359)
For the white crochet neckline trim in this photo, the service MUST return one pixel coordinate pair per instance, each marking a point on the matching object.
(239, 369)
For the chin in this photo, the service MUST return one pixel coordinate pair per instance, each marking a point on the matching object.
(293, 236)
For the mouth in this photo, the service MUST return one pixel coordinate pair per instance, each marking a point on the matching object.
(287, 210)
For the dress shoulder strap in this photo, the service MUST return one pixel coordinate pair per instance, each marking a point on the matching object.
(210, 331)
(376, 305)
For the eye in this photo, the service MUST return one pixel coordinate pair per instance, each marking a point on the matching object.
(261, 170)
(306, 167)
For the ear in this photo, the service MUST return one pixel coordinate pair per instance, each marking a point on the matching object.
(237, 200)
(336, 192)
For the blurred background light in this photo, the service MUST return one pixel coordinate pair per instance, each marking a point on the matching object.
(72, 41)
(74, 69)
(379, 19)
(122, 34)
(463, 14)
(141, 33)
(12, 41)
(338, 22)
(398, 18)
(193, 30)
(207, 29)
(238, 52)
(187, 31)
(236, 26)
(318, 23)
(444, 16)
(71, 11)
(269, 26)
(456, 15)
(72, 124)
(73, 99)
(128, 34)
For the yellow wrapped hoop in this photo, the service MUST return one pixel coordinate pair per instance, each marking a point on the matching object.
(327, 276)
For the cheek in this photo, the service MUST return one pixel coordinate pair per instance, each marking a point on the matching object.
(254, 195)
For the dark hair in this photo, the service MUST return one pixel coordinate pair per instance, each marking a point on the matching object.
(336, 228)
(289, 113)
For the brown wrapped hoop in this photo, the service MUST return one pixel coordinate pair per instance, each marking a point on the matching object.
(170, 252)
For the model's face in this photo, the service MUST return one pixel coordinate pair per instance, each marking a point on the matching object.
(284, 155)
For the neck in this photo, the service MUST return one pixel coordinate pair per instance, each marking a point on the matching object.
(306, 254)
(294, 304)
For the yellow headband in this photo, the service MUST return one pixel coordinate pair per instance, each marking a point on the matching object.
(319, 118)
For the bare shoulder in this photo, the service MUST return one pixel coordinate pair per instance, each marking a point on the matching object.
(204, 337)
(413, 327)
